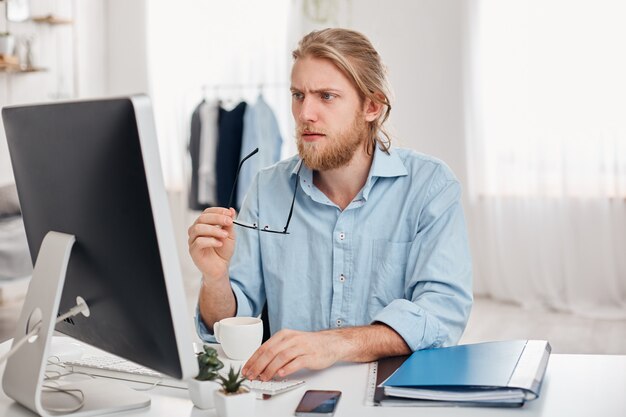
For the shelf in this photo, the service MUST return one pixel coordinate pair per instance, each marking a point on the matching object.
(13, 69)
(52, 20)
(11, 63)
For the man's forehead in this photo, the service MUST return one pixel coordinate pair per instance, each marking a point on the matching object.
(310, 73)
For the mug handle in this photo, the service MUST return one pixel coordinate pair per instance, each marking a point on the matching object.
(216, 331)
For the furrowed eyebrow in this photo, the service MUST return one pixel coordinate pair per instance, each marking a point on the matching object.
(316, 91)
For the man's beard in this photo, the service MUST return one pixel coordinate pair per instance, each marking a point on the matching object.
(336, 151)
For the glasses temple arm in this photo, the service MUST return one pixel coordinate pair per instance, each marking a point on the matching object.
(293, 201)
(232, 192)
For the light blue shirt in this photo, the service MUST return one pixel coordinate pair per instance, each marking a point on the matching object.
(398, 254)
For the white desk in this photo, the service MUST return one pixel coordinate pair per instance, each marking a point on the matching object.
(574, 385)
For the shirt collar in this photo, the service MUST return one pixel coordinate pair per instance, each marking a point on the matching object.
(305, 172)
(383, 165)
(387, 165)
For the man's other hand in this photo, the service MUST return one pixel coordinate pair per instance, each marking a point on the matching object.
(289, 351)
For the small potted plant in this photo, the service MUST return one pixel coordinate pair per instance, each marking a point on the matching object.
(201, 388)
(233, 399)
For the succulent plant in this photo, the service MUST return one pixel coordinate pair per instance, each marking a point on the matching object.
(232, 383)
(208, 363)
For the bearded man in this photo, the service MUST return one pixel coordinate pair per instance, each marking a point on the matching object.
(375, 261)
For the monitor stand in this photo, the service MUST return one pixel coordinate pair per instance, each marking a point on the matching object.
(24, 373)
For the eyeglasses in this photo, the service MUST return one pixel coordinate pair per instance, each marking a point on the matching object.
(254, 225)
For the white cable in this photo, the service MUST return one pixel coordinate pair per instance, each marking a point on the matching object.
(20, 342)
(77, 309)
(67, 391)
(80, 397)
(151, 387)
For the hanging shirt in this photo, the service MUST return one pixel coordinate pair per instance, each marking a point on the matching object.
(230, 130)
(397, 254)
(260, 130)
(194, 153)
(207, 176)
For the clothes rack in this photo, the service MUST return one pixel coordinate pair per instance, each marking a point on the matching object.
(243, 85)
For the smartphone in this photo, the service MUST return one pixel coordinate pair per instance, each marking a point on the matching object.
(316, 403)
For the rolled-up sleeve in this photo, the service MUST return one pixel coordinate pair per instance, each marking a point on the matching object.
(438, 276)
(202, 329)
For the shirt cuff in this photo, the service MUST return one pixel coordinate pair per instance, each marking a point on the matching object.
(202, 329)
(419, 329)
(244, 309)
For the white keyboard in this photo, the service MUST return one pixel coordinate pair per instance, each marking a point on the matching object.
(273, 387)
(114, 367)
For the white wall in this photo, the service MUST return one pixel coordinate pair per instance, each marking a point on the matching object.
(91, 46)
(126, 54)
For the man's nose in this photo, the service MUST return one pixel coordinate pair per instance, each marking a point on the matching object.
(308, 111)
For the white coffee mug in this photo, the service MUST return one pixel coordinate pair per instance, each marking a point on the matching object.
(239, 336)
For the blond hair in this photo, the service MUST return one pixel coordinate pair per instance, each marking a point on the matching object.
(353, 54)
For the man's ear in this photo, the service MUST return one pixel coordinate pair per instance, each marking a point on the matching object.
(372, 109)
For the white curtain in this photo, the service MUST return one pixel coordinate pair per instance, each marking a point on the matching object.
(214, 49)
(547, 153)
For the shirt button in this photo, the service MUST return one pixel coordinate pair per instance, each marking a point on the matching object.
(342, 278)
(338, 323)
(342, 236)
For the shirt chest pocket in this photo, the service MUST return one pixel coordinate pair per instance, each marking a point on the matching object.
(273, 254)
(389, 261)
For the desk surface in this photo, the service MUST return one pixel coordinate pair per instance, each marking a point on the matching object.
(574, 385)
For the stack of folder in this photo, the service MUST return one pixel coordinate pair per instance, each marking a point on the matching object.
(500, 374)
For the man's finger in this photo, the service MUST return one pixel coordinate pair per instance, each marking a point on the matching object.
(295, 365)
(205, 230)
(223, 220)
(263, 356)
(202, 243)
(281, 359)
(277, 338)
(255, 367)
(218, 210)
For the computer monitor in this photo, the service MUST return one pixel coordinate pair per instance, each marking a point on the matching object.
(91, 169)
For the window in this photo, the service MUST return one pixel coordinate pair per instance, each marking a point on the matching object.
(549, 98)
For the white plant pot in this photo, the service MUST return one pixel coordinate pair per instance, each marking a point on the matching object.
(7, 43)
(234, 405)
(202, 393)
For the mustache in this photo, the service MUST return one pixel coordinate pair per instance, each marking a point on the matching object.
(302, 130)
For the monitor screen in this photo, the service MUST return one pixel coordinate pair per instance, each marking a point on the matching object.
(92, 169)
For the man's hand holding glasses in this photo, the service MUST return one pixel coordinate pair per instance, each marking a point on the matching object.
(212, 241)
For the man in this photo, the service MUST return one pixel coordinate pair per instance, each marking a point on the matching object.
(376, 260)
